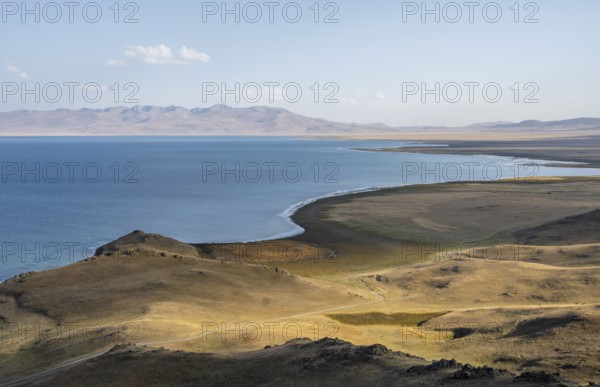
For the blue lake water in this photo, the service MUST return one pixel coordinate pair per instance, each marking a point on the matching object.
(60, 198)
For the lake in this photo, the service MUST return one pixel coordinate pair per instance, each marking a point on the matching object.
(61, 198)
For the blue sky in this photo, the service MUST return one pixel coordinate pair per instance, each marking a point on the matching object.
(368, 62)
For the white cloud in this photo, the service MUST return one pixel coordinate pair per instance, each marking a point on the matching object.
(161, 55)
(379, 95)
(18, 71)
(115, 63)
(191, 54)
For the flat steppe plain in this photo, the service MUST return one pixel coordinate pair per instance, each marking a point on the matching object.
(499, 274)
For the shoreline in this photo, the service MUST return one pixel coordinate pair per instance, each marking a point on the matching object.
(527, 160)
(291, 211)
(326, 201)
(580, 150)
(295, 213)
(365, 263)
(290, 214)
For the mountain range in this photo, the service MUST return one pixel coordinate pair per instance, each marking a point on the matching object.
(224, 120)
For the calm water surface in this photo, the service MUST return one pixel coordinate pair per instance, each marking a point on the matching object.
(60, 198)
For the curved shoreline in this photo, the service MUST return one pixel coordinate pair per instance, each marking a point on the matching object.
(580, 149)
(291, 211)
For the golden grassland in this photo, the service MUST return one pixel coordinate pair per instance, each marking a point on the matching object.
(502, 274)
(379, 318)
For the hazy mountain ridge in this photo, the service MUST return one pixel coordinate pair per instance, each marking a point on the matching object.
(225, 120)
(173, 120)
(575, 123)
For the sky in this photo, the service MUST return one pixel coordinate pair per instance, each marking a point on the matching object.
(379, 61)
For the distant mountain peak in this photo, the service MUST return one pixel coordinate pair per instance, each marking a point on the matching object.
(219, 107)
